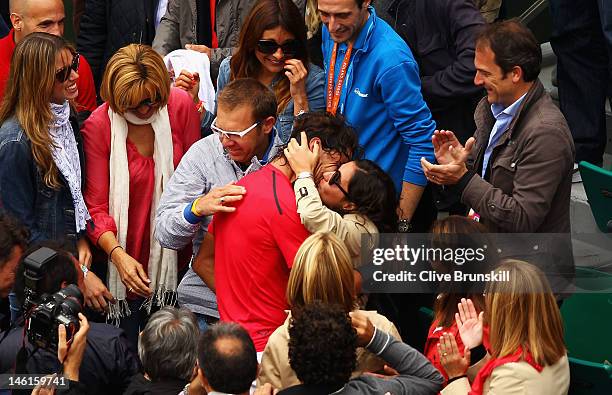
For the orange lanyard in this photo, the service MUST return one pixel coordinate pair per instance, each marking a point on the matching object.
(333, 95)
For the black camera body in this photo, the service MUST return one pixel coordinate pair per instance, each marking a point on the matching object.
(47, 312)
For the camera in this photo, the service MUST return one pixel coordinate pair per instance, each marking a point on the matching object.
(46, 312)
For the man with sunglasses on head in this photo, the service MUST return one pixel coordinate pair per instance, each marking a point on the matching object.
(247, 255)
(244, 139)
(29, 16)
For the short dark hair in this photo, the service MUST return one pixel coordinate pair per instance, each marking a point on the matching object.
(513, 45)
(12, 234)
(233, 369)
(249, 92)
(332, 130)
(59, 270)
(322, 344)
(373, 192)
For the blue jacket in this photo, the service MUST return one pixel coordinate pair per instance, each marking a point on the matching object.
(47, 213)
(381, 98)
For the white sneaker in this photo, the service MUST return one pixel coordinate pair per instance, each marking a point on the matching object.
(576, 177)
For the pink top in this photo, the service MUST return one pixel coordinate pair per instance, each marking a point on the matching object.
(185, 125)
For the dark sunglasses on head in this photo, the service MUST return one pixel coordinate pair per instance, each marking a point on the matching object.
(289, 48)
(335, 180)
(63, 74)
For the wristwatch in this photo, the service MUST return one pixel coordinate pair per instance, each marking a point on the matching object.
(404, 226)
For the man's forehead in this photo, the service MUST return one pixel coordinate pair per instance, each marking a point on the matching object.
(337, 6)
(52, 10)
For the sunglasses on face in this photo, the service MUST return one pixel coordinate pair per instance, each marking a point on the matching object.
(289, 47)
(229, 134)
(62, 75)
(146, 103)
(335, 180)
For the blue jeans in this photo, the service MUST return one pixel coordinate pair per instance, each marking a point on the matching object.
(205, 321)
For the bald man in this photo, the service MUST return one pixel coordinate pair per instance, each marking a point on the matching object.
(29, 16)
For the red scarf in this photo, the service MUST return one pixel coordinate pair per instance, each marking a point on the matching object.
(487, 369)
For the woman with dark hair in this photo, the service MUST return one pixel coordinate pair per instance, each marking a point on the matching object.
(272, 49)
(455, 232)
(357, 198)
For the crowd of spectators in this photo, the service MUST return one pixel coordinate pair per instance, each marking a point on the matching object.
(222, 247)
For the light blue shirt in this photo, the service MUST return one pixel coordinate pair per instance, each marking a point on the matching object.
(161, 11)
(503, 118)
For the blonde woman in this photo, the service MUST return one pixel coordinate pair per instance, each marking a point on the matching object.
(527, 354)
(133, 143)
(322, 271)
(40, 146)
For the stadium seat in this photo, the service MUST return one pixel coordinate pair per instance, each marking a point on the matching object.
(598, 187)
(587, 316)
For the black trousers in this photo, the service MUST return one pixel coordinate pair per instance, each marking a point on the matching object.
(582, 41)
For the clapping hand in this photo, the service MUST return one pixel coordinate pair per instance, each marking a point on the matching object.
(453, 363)
(450, 155)
(470, 323)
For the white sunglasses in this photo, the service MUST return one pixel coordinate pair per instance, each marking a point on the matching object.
(228, 134)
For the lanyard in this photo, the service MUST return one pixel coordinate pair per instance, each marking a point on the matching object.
(333, 95)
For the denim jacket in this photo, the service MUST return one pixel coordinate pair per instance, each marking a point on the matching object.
(48, 213)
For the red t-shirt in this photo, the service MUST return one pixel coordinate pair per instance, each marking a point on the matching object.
(254, 251)
(86, 100)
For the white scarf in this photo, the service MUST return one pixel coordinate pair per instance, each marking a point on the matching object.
(162, 265)
(66, 157)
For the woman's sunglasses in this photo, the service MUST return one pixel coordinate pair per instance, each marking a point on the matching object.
(146, 103)
(289, 48)
(63, 74)
(335, 180)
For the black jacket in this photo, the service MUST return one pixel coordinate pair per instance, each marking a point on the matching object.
(108, 25)
(441, 35)
(107, 367)
(142, 386)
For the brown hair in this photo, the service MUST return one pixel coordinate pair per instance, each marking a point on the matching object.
(135, 73)
(443, 230)
(322, 271)
(248, 92)
(266, 15)
(513, 44)
(523, 312)
(29, 91)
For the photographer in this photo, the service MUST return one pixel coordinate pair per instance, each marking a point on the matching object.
(70, 354)
(108, 362)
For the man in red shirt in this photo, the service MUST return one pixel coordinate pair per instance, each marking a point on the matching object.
(29, 16)
(255, 245)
